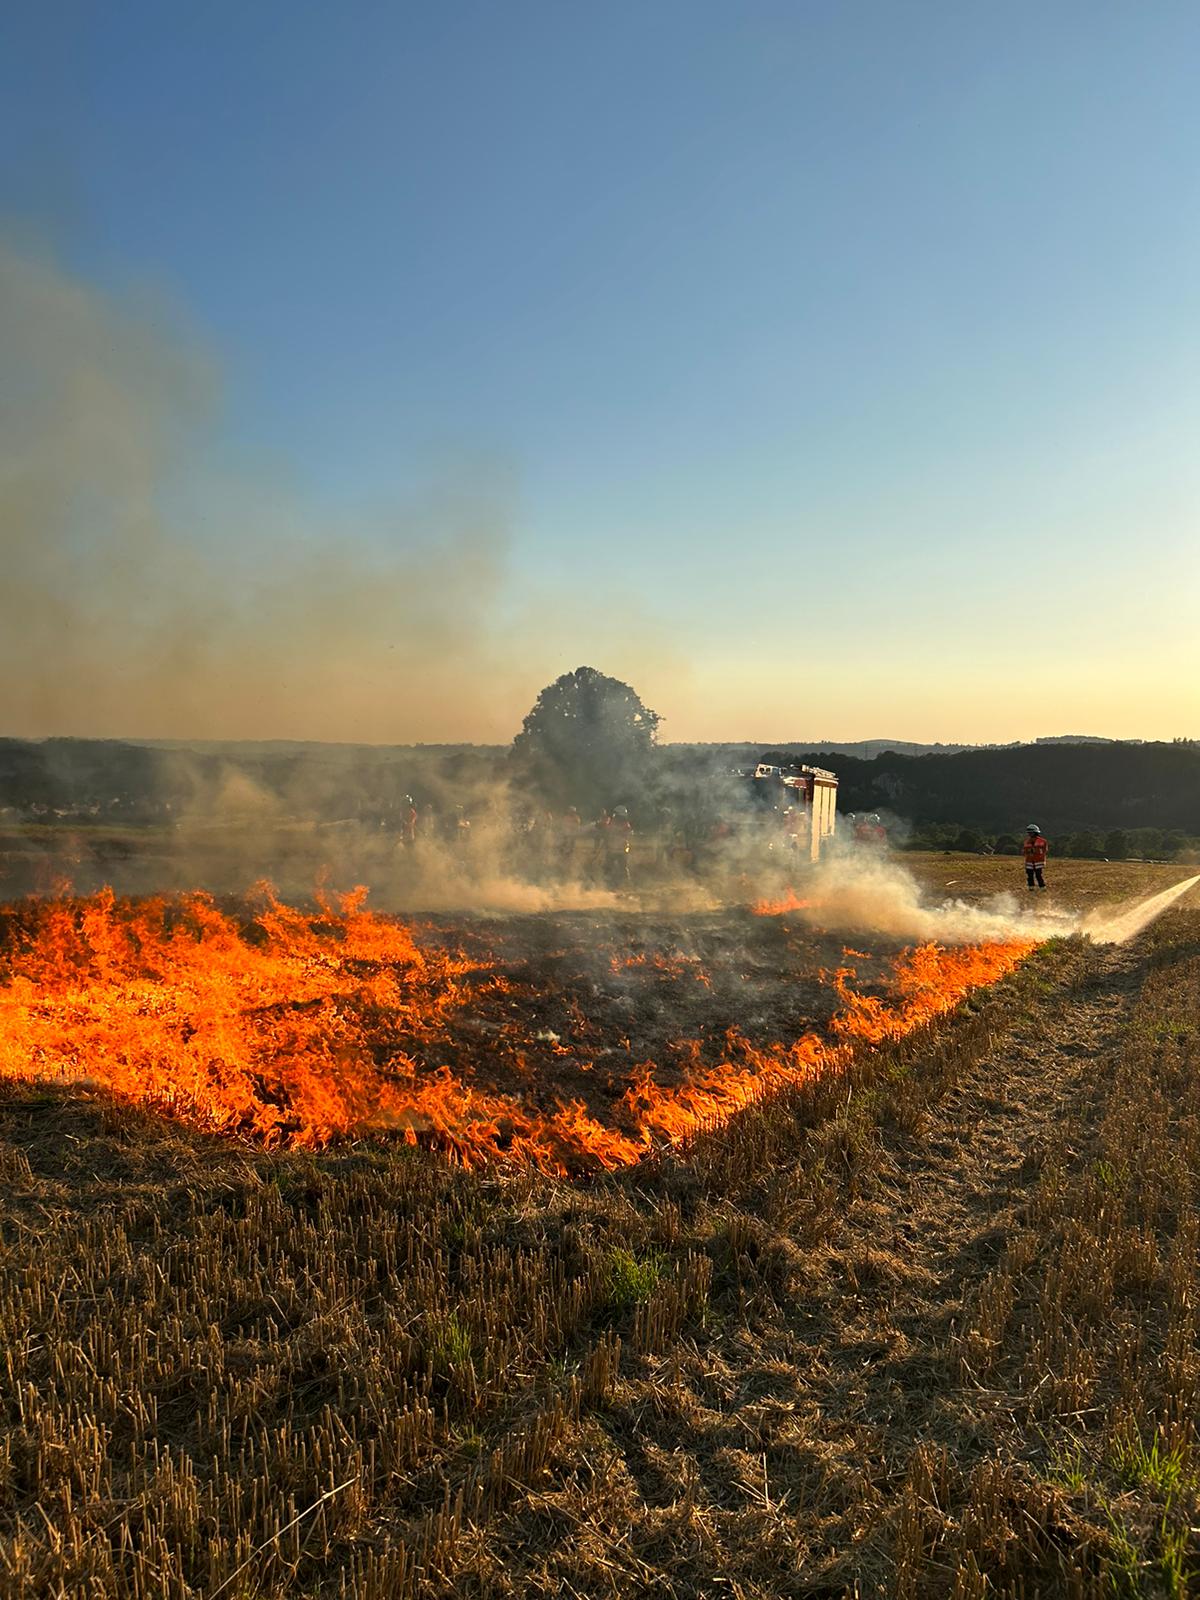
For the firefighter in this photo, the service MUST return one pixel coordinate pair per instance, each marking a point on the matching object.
(618, 832)
(462, 829)
(568, 838)
(1036, 847)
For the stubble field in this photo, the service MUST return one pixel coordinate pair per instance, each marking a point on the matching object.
(921, 1322)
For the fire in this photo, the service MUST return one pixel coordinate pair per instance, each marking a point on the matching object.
(778, 908)
(673, 966)
(300, 1028)
(929, 980)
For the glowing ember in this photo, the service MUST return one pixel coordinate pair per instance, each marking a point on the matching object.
(301, 1028)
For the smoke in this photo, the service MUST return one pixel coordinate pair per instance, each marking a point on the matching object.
(151, 588)
(858, 891)
(513, 860)
(155, 586)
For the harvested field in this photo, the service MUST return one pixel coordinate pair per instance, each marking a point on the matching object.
(923, 1324)
(1084, 886)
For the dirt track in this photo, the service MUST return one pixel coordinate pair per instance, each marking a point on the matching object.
(943, 1200)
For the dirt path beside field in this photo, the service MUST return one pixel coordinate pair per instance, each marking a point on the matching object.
(887, 1375)
(943, 1200)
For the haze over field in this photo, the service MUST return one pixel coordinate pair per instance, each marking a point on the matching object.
(734, 351)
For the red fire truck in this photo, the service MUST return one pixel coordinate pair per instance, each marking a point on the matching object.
(806, 799)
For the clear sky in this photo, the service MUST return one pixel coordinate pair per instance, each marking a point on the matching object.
(820, 368)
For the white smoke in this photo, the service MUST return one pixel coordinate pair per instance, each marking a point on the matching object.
(153, 587)
(851, 892)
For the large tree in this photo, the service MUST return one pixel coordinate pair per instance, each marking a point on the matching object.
(587, 742)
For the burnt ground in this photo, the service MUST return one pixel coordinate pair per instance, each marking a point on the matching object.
(567, 1005)
(578, 1008)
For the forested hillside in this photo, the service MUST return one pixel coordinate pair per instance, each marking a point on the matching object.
(1063, 787)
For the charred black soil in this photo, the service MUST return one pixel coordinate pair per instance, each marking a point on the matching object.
(584, 998)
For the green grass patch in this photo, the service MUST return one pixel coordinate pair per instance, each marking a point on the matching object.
(630, 1279)
(1154, 1465)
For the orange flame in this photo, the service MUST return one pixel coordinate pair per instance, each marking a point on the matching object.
(778, 908)
(929, 980)
(301, 1028)
(671, 966)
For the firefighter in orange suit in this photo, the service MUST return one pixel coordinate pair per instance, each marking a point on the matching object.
(1036, 847)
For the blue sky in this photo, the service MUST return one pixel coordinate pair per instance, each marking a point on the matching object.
(848, 352)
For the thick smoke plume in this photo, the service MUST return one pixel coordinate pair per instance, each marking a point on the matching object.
(154, 587)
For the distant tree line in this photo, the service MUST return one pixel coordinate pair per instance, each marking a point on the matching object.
(1065, 788)
(1086, 844)
(589, 741)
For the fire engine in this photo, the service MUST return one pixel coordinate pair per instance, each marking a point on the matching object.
(806, 799)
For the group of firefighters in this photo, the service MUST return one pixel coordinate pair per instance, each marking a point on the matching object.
(544, 843)
(564, 844)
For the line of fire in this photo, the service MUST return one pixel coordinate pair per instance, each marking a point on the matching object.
(573, 1035)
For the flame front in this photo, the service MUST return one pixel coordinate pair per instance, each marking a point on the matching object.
(300, 1028)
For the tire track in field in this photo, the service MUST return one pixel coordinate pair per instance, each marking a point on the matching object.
(896, 1277)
